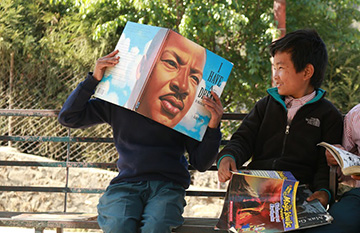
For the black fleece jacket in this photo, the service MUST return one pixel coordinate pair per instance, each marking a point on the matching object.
(272, 143)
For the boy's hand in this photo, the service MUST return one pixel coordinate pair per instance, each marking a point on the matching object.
(331, 161)
(321, 195)
(216, 109)
(227, 164)
(103, 62)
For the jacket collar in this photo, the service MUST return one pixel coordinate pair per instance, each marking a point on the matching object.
(320, 93)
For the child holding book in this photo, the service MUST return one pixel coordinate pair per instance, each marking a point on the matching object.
(346, 212)
(148, 193)
(171, 88)
(283, 129)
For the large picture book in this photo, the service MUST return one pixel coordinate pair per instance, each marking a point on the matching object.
(164, 76)
(269, 201)
(348, 162)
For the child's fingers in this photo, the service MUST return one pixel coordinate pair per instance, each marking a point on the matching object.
(216, 97)
(113, 53)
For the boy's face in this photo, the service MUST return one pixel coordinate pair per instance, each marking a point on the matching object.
(287, 80)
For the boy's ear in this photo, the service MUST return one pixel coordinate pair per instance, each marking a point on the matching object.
(308, 71)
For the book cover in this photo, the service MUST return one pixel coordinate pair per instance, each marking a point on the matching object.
(164, 76)
(348, 162)
(269, 201)
(310, 214)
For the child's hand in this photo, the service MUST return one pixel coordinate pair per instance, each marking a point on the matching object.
(331, 161)
(103, 62)
(215, 108)
(323, 197)
(227, 164)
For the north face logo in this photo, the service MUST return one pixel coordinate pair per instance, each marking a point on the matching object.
(313, 121)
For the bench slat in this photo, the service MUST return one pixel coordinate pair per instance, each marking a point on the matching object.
(198, 225)
(201, 193)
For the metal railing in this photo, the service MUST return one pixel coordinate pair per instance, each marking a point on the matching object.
(70, 164)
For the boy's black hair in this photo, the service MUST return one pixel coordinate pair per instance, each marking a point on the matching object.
(305, 47)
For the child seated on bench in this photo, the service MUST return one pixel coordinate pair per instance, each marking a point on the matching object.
(346, 211)
(283, 129)
(148, 193)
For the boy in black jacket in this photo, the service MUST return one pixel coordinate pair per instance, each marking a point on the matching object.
(282, 130)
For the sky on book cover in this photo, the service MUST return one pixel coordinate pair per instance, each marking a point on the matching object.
(132, 45)
(187, 125)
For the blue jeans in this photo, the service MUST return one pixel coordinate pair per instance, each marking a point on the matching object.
(146, 206)
(346, 213)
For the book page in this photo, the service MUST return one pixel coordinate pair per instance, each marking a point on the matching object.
(353, 170)
(269, 173)
(348, 158)
(349, 162)
(333, 152)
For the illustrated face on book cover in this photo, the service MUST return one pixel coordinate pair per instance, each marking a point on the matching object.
(172, 85)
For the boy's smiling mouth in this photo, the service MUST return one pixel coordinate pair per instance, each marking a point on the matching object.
(277, 84)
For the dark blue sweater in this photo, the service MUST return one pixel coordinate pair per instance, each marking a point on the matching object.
(147, 150)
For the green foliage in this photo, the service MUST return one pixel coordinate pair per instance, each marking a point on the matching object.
(336, 23)
(343, 82)
(71, 34)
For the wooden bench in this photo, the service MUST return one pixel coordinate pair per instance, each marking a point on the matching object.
(191, 224)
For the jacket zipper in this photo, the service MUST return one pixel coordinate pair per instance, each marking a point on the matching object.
(287, 130)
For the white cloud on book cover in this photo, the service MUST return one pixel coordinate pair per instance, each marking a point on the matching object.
(119, 90)
(196, 119)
